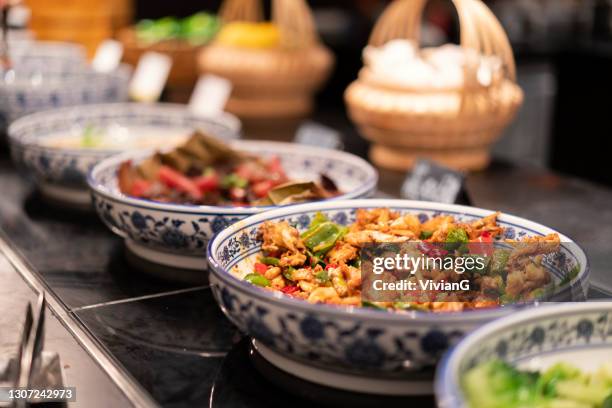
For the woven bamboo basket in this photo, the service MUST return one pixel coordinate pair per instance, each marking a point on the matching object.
(453, 126)
(271, 83)
(88, 22)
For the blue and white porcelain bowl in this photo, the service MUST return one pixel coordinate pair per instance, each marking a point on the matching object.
(61, 171)
(176, 235)
(576, 333)
(361, 341)
(51, 56)
(28, 89)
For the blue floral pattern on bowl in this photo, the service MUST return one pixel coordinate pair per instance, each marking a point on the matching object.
(185, 230)
(48, 56)
(351, 339)
(579, 334)
(78, 86)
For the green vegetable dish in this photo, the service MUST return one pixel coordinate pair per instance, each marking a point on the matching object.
(497, 384)
(197, 29)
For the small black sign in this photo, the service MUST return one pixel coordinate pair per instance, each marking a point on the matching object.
(430, 181)
(316, 134)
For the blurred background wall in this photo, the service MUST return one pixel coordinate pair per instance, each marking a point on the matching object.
(563, 50)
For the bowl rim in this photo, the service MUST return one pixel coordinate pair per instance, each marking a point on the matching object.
(84, 76)
(361, 312)
(95, 186)
(30, 43)
(448, 390)
(225, 119)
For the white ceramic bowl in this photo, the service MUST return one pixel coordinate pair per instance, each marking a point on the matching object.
(361, 341)
(29, 89)
(579, 334)
(61, 172)
(176, 235)
(51, 56)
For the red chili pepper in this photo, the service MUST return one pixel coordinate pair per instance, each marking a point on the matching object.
(483, 245)
(176, 180)
(260, 268)
(262, 188)
(331, 266)
(140, 187)
(275, 168)
(289, 289)
(207, 183)
(432, 250)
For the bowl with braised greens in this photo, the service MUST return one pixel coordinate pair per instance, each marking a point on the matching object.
(57, 148)
(168, 203)
(296, 280)
(554, 356)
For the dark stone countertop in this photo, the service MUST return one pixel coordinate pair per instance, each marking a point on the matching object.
(172, 339)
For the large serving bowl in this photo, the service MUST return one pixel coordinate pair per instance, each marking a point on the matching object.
(61, 172)
(578, 334)
(355, 340)
(176, 235)
(29, 89)
(50, 56)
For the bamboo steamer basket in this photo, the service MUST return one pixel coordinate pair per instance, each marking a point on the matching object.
(453, 126)
(274, 83)
(183, 74)
(88, 22)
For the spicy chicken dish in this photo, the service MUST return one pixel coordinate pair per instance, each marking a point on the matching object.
(205, 171)
(323, 264)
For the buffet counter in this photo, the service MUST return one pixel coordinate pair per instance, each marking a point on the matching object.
(170, 343)
(81, 369)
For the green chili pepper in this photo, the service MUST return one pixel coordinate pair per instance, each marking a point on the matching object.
(455, 238)
(288, 273)
(322, 276)
(537, 293)
(507, 299)
(233, 180)
(480, 264)
(426, 234)
(270, 260)
(499, 259)
(402, 305)
(570, 275)
(365, 303)
(317, 220)
(257, 279)
(323, 237)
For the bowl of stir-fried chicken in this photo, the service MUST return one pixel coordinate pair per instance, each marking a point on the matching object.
(291, 278)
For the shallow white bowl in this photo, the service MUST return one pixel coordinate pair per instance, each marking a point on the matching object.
(577, 333)
(50, 56)
(61, 172)
(360, 341)
(176, 235)
(29, 88)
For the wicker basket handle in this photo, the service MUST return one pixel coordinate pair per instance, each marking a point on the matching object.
(292, 17)
(241, 10)
(480, 31)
